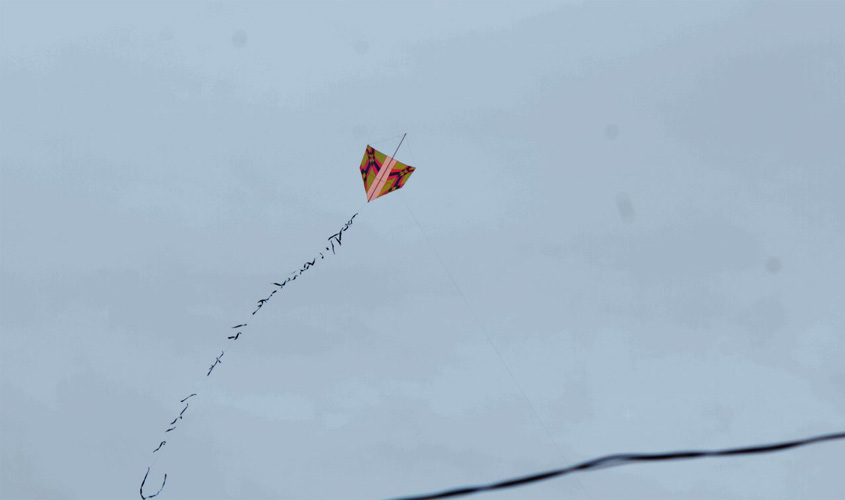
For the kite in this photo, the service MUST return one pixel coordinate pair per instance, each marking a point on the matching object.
(382, 174)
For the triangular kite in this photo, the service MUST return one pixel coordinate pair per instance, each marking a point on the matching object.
(382, 174)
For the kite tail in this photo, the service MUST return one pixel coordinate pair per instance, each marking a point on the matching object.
(334, 239)
(141, 490)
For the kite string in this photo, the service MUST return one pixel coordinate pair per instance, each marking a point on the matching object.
(484, 330)
(374, 143)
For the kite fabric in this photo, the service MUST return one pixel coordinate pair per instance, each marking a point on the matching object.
(382, 174)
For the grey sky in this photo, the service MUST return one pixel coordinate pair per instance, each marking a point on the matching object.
(642, 202)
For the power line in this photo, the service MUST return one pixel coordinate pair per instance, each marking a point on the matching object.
(623, 459)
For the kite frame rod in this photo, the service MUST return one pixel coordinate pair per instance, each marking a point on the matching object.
(400, 144)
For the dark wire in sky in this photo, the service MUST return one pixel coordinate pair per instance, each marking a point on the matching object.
(622, 459)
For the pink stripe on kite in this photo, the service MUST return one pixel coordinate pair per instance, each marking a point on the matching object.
(376, 179)
(381, 178)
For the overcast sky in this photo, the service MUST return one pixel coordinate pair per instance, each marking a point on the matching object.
(641, 205)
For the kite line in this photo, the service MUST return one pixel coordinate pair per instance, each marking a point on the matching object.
(603, 462)
(625, 459)
(381, 174)
(483, 330)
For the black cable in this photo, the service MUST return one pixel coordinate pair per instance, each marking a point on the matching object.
(622, 459)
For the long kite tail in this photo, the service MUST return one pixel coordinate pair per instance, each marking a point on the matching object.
(623, 459)
(241, 327)
(145, 497)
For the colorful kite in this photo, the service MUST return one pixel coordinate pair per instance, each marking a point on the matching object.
(383, 174)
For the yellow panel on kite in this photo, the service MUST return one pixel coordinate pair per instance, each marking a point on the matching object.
(382, 174)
